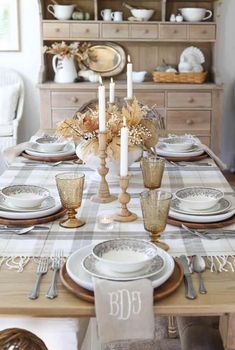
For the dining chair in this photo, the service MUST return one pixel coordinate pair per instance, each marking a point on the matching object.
(20, 339)
(199, 333)
(11, 104)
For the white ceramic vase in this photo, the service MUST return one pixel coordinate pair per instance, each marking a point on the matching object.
(64, 68)
(93, 162)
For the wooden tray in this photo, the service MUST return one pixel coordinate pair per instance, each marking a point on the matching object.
(186, 159)
(49, 159)
(159, 293)
(197, 225)
(29, 222)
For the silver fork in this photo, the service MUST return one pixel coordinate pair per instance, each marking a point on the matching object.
(57, 261)
(41, 270)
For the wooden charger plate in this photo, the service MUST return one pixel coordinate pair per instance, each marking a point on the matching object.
(197, 225)
(159, 293)
(186, 159)
(49, 159)
(30, 222)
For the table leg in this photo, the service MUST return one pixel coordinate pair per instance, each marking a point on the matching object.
(172, 327)
(227, 331)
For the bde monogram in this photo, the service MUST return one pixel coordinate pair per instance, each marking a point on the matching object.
(124, 304)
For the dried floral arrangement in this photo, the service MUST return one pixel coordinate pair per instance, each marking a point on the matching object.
(81, 51)
(85, 126)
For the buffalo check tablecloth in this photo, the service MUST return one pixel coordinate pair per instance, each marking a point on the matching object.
(44, 243)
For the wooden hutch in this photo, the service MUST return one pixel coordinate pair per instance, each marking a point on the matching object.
(187, 108)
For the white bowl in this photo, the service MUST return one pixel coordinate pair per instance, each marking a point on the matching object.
(198, 198)
(180, 143)
(138, 77)
(125, 255)
(195, 14)
(50, 144)
(143, 14)
(25, 196)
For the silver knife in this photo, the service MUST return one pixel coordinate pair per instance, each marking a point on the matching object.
(36, 228)
(189, 289)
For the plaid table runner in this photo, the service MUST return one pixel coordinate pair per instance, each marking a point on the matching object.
(43, 243)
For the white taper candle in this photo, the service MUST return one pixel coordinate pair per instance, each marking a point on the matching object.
(101, 99)
(112, 91)
(129, 79)
(124, 150)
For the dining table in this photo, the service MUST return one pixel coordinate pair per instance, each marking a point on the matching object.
(16, 283)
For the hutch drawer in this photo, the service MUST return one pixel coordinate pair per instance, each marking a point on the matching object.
(151, 98)
(202, 32)
(115, 30)
(189, 99)
(71, 99)
(173, 32)
(140, 31)
(55, 30)
(84, 30)
(189, 121)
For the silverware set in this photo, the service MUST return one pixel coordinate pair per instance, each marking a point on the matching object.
(205, 234)
(19, 230)
(198, 266)
(43, 266)
(188, 164)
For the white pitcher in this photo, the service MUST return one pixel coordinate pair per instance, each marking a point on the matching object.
(64, 68)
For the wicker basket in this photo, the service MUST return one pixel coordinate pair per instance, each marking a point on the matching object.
(20, 339)
(186, 78)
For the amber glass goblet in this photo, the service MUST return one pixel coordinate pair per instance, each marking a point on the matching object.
(70, 187)
(152, 170)
(155, 205)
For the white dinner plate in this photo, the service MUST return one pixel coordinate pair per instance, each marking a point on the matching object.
(222, 206)
(49, 202)
(31, 215)
(163, 151)
(96, 268)
(81, 277)
(68, 150)
(201, 219)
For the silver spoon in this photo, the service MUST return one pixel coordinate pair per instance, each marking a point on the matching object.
(199, 266)
(21, 231)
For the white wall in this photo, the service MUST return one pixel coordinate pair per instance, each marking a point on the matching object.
(225, 62)
(27, 63)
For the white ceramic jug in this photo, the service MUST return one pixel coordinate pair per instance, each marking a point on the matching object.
(64, 68)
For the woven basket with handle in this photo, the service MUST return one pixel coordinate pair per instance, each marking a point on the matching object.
(186, 78)
(20, 339)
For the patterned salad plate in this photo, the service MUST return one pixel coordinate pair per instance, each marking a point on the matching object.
(46, 204)
(162, 150)
(34, 150)
(222, 206)
(98, 269)
(77, 273)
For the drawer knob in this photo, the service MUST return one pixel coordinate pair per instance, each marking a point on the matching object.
(146, 31)
(117, 30)
(204, 31)
(87, 30)
(189, 122)
(57, 30)
(175, 31)
(74, 99)
(191, 100)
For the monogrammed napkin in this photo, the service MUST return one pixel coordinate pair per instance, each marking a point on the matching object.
(124, 310)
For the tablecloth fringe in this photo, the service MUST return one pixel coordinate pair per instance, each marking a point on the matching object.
(216, 263)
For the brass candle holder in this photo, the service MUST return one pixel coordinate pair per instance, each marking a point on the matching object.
(124, 197)
(103, 195)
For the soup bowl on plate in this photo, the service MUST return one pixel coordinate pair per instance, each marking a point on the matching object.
(199, 198)
(178, 143)
(25, 196)
(125, 255)
(50, 144)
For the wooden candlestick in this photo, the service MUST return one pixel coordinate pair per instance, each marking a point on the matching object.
(125, 215)
(103, 195)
